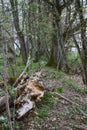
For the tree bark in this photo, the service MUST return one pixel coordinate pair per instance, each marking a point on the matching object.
(83, 40)
(57, 57)
(14, 7)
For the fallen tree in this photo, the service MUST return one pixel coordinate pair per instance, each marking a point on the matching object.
(28, 91)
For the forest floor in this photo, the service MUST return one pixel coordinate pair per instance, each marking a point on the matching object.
(54, 113)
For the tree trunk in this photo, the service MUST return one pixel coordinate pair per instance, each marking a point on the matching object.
(5, 73)
(14, 7)
(57, 57)
(83, 40)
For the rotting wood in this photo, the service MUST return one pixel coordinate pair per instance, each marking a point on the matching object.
(28, 92)
(31, 93)
(25, 108)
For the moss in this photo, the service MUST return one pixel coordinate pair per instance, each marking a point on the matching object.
(11, 80)
(51, 62)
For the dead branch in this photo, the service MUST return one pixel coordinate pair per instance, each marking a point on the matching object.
(71, 102)
(25, 108)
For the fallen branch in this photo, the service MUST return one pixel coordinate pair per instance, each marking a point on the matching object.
(71, 102)
(25, 108)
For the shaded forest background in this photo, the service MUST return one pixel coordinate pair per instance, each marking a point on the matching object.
(52, 29)
(50, 33)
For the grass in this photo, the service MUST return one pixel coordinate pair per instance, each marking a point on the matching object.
(59, 89)
(16, 68)
(46, 105)
(12, 92)
(1, 64)
(74, 85)
(56, 74)
(72, 110)
(73, 60)
(71, 57)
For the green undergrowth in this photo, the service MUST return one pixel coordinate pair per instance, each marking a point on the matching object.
(73, 59)
(44, 107)
(12, 92)
(52, 72)
(1, 64)
(59, 89)
(17, 68)
(74, 85)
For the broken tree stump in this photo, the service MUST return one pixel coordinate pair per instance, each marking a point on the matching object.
(28, 91)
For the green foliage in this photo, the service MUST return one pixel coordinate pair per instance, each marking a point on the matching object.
(59, 89)
(72, 56)
(74, 85)
(16, 126)
(43, 111)
(44, 107)
(70, 83)
(3, 119)
(34, 66)
(2, 93)
(84, 108)
(16, 68)
(73, 60)
(1, 64)
(3, 122)
(12, 92)
(56, 74)
(72, 110)
(49, 99)
(5, 127)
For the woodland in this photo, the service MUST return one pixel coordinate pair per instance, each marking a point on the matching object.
(43, 65)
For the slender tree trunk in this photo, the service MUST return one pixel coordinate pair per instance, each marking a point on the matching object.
(5, 84)
(83, 40)
(5, 68)
(14, 7)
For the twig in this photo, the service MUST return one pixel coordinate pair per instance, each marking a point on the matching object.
(71, 102)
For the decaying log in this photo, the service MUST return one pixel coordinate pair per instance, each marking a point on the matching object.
(36, 90)
(32, 92)
(28, 92)
(25, 108)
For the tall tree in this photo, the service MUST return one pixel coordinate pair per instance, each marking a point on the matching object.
(14, 7)
(83, 53)
(57, 56)
(5, 71)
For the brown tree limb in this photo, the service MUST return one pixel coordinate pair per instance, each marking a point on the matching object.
(71, 102)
